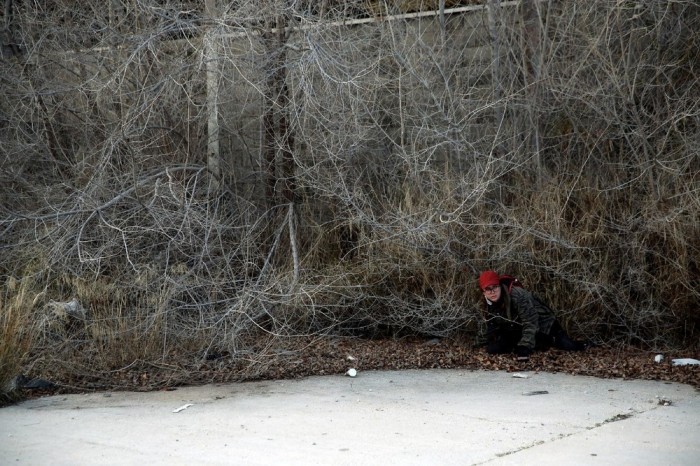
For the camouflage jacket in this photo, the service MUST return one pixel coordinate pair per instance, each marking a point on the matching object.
(520, 308)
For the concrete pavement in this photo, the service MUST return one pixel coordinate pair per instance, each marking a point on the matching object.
(446, 417)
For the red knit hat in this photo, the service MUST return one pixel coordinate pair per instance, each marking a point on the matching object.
(488, 278)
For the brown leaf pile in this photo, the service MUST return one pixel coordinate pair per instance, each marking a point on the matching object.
(331, 355)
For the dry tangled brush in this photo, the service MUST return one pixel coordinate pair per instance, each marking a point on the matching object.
(180, 185)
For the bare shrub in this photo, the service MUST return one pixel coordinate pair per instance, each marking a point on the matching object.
(217, 180)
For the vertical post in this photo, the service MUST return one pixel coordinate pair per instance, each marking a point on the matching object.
(443, 25)
(494, 10)
(532, 70)
(211, 61)
(285, 134)
(269, 133)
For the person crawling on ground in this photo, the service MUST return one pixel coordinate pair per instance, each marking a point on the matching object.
(518, 320)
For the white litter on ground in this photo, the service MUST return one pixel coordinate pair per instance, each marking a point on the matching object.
(182, 408)
(685, 362)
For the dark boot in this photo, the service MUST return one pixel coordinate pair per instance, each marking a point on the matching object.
(562, 340)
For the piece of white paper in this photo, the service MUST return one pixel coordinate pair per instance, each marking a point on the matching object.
(685, 362)
(182, 408)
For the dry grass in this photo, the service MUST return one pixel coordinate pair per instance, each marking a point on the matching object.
(17, 330)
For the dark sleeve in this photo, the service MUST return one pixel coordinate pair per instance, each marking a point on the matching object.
(492, 323)
(524, 304)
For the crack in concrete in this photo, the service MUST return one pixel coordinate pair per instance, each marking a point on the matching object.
(615, 418)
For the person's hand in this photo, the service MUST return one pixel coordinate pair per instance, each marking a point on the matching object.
(522, 353)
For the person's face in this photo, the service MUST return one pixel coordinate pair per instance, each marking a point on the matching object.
(492, 293)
